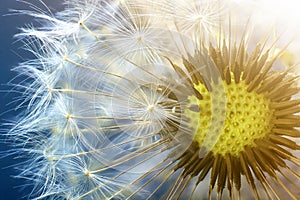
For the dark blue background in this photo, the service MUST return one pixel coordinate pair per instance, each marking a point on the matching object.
(10, 55)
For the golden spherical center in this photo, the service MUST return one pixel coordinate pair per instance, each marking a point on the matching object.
(232, 119)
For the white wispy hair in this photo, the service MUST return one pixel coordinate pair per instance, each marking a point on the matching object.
(196, 19)
(88, 103)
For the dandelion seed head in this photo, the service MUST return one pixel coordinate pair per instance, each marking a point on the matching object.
(157, 99)
(246, 93)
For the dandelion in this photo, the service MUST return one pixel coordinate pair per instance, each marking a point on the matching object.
(253, 143)
(121, 106)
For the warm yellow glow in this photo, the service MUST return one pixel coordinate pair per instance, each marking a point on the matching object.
(248, 117)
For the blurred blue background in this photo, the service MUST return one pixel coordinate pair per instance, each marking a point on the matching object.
(10, 55)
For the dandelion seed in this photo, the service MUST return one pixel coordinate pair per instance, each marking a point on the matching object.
(198, 19)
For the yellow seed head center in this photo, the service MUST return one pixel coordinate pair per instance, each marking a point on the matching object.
(246, 117)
